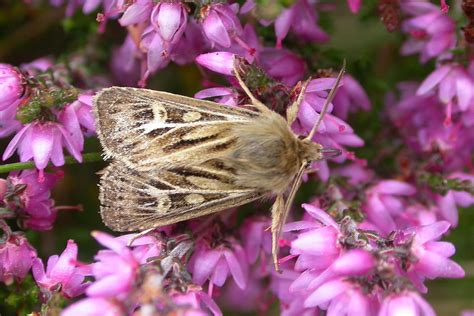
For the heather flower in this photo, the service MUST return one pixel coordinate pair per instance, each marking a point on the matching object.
(354, 5)
(342, 297)
(195, 303)
(169, 19)
(16, 256)
(220, 62)
(355, 172)
(405, 303)
(216, 264)
(432, 32)
(115, 270)
(448, 203)
(220, 24)
(61, 273)
(192, 44)
(291, 302)
(420, 118)
(256, 240)
(384, 203)
(37, 66)
(8, 122)
(318, 247)
(254, 295)
(125, 63)
(33, 205)
(452, 81)
(137, 12)
(11, 86)
(94, 306)
(282, 65)
(349, 97)
(342, 267)
(430, 257)
(302, 19)
(43, 141)
(224, 95)
(83, 112)
(158, 55)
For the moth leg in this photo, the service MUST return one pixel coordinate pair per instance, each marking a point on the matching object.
(255, 102)
(292, 110)
(278, 220)
(140, 234)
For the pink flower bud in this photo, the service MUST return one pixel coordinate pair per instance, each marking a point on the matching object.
(220, 24)
(16, 258)
(221, 62)
(11, 86)
(169, 20)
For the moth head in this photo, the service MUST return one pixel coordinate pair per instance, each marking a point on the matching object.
(311, 151)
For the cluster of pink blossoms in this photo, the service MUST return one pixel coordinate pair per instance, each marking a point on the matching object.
(363, 245)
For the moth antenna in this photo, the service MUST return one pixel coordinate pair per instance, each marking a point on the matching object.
(328, 101)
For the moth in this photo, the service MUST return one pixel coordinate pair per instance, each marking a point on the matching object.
(176, 158)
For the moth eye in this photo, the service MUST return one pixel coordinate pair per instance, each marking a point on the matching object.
(194, 198)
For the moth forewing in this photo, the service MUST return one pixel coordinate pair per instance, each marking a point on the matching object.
(149, 129)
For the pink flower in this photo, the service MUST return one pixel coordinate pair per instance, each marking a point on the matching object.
(16, 256)
(33, 205)
(452, 82)
(430, 256)
(220, 62)
(94, 306)
(158, 54)
(448, 203)
(8, 121)
(405, 303)
(195, 303)
(419, 120)
(220, 24)
(384, 203)
(432, 32)
(256, 240)
(115, 270)
(83, 111)
(342, 297)
(354, 5)
(342, 267)
(317, 247)
(301, 18)
(126, 63)
(282, 65)
(138, 12)
(224, 95)
(43, 142)
(349, 97)
(169, 19)
(61, 274)
(192, 44)
(11, 86)
(215, 264)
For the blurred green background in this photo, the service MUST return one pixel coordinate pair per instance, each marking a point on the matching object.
(29, 32)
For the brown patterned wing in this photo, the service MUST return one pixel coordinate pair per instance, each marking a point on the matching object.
(149, 129)
(132, 200)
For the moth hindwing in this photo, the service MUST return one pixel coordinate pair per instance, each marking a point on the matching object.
(166, 149)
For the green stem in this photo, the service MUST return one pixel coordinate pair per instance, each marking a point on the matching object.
(68, 160)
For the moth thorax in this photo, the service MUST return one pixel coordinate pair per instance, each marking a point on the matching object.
(310, 151)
